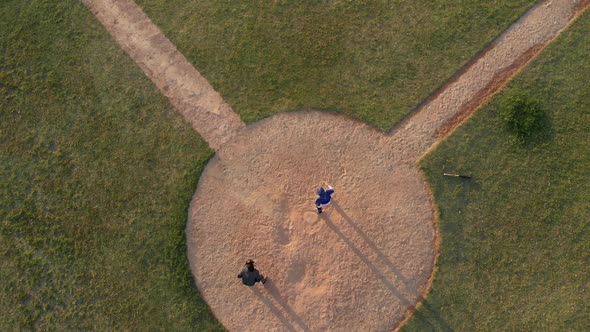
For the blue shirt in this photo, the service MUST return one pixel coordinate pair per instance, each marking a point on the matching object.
(324, 197)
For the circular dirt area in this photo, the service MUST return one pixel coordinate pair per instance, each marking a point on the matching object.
(357, 267)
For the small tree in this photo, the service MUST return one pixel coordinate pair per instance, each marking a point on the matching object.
(522, 115)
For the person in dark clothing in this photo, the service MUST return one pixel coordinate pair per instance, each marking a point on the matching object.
(324, 197)
(250, 276)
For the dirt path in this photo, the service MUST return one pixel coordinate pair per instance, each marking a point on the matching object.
(485, 75)
(371, 254)
(188, 91)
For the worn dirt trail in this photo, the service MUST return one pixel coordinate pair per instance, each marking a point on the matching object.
(485, 75)
(371, 254)
(187, 90)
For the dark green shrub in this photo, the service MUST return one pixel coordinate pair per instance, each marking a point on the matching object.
(522, 115)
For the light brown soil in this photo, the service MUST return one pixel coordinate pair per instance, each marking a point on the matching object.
(364, 263)
(369, 255)
(188, 91)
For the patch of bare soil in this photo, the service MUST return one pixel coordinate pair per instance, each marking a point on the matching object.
(485, 75)
(187, 90)
(365, 262)
(357, 267)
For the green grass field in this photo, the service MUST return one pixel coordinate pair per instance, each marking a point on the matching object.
(372, 60)
(97, 169)
(96, 172)
(515, 251)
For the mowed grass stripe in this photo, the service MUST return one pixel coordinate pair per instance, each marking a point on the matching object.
(374, 61)
(516, 238)
(96, 172)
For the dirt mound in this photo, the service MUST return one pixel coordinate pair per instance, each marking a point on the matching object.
(369, 255)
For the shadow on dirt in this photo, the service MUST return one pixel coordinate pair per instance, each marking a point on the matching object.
(286, 315)
(435, 320)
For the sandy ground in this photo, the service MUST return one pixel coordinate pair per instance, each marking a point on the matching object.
(369, 258)
(359, 265)
(187, 90)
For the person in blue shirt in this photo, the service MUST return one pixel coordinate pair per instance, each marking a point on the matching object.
(250, 276)
(324, 197)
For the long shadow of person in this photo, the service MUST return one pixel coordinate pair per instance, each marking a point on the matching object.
(380, 275)
(274, 309)
(393, 289)
(437, 323)
(290, 314)
(373, 246)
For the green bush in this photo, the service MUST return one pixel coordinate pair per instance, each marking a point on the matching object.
(522, 115)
